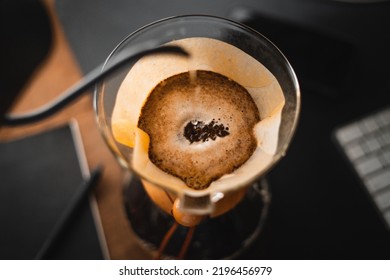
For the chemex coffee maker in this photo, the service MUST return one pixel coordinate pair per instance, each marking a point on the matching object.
(173, 217)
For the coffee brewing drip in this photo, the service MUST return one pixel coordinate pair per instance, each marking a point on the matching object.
(161, 203)
(89, 80)
(173, 184)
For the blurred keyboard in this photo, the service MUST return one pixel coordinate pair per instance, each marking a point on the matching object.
(366, 144)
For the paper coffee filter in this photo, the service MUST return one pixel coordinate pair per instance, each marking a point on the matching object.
(205, 54)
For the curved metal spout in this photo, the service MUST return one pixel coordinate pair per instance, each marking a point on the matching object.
(89, 80)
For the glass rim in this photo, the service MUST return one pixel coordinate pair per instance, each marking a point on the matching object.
(281, 151)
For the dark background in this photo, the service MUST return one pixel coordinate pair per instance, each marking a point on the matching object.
(341, 55)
